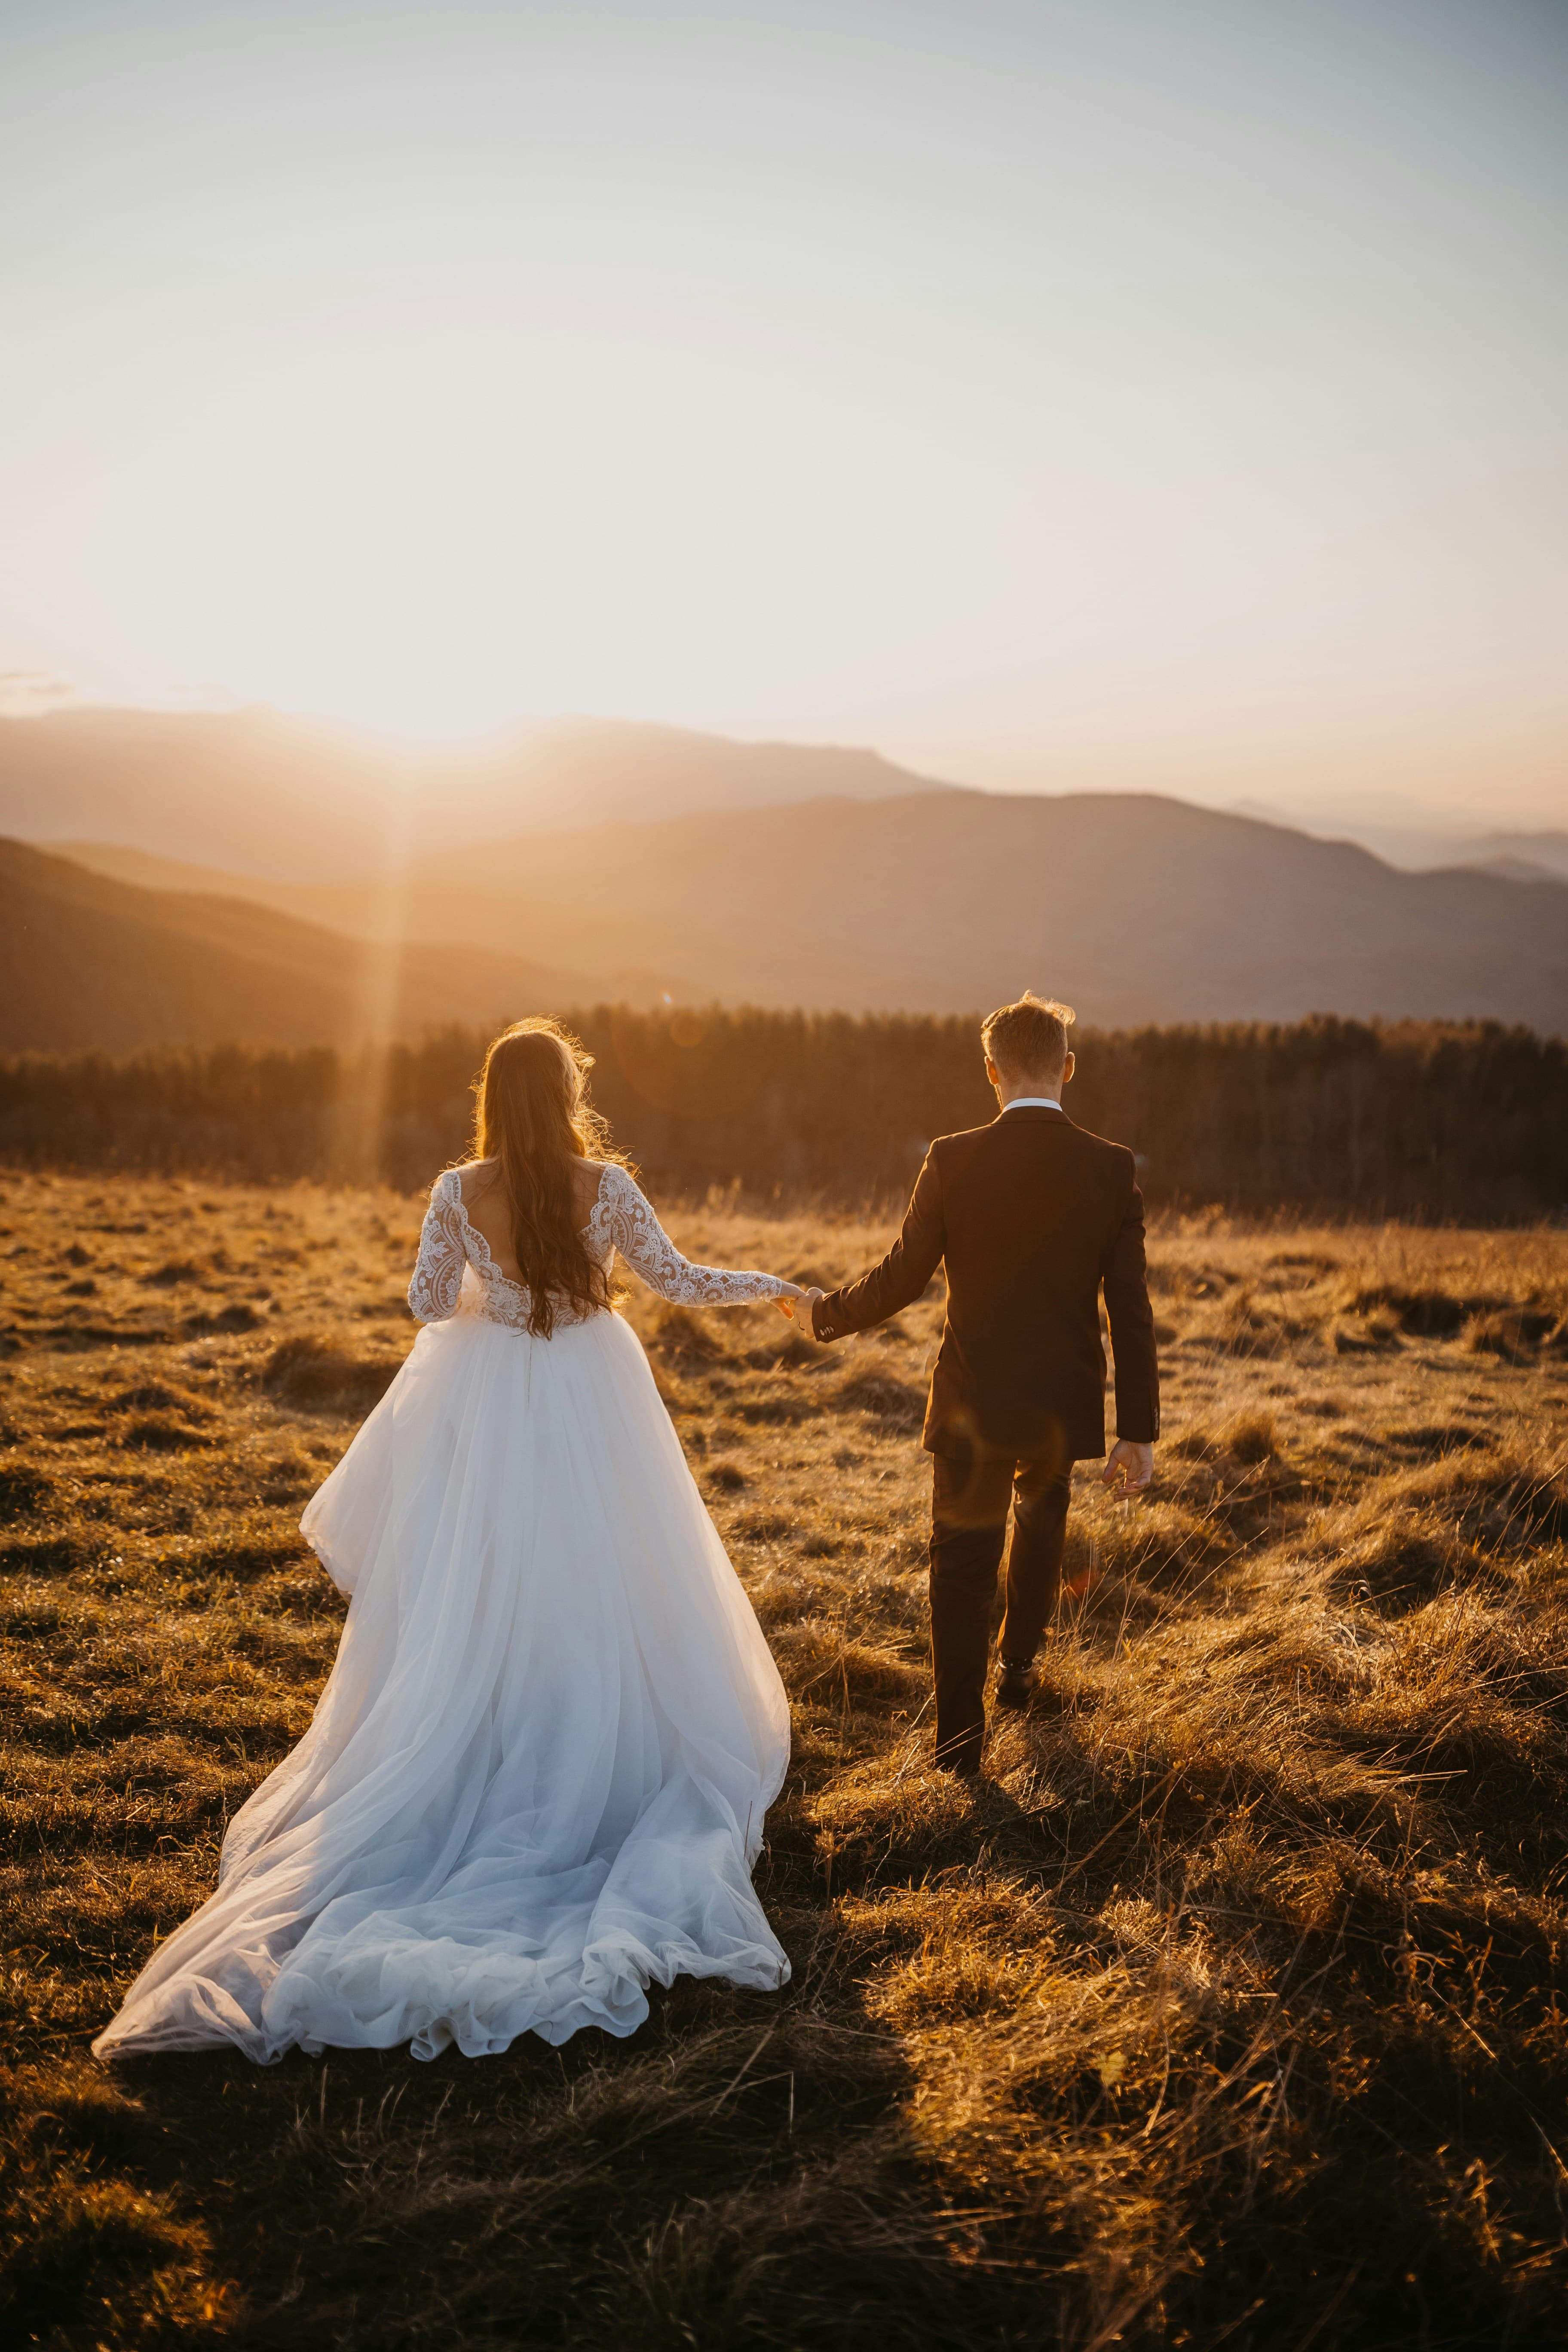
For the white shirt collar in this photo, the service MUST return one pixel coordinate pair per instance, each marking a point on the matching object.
(1031, 1102)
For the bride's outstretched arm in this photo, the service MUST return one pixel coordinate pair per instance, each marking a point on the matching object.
(437, 1276)
(623, 1214)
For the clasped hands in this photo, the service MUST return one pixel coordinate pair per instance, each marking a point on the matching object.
(795, 1306)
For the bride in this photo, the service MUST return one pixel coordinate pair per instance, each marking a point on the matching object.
(536, 1780)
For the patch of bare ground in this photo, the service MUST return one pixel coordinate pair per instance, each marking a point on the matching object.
(1228, 2009)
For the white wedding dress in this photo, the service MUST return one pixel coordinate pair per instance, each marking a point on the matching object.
(536, 1781)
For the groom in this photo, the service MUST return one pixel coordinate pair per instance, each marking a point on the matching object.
(1032, 1216)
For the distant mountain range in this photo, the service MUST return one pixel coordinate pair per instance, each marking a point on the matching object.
(1136, 908)
(1527, 857)
(248, 875)
(1550, 864)
(279, 798)
(1422, 848)
(290, 799)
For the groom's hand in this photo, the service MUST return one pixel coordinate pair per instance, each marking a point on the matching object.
(1129, 1467)
(801, 1307)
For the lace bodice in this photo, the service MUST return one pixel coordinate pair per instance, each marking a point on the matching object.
(622, 1219)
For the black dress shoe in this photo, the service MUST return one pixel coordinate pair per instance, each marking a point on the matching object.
(1015, 1687)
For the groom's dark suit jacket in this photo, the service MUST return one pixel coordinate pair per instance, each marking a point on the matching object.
(1032, 1215)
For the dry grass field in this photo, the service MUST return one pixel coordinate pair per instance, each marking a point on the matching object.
(1229, 2011)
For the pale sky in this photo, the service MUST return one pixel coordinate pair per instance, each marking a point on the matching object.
(1054, 393)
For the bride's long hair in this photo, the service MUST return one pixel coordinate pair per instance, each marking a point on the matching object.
(533, 1119)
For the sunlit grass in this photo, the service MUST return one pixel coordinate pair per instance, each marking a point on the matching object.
(1230, 2003)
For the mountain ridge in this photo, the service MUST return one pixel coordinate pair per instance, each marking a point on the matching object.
(88, 964)
(1138, 909)
(294, 800)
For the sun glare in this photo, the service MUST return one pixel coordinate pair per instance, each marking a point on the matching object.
(953, 410)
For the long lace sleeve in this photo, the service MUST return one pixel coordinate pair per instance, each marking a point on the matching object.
(438, 1271)
(622, 1215)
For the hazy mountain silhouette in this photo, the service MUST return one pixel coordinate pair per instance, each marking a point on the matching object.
(1518, 869)
(144, 871)
(1540, 853)
(90, 963)
(1421, 846)
(1136, 908)
(261, 792)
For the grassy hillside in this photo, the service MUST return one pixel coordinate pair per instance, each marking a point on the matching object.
(1229, 2011)
(90, 963)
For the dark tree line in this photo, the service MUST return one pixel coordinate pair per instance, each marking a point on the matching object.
(1425, 1120)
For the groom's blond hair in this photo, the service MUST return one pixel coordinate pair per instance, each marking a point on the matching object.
(1028, 1039)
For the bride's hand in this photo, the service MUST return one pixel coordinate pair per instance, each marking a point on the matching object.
(785, 1299)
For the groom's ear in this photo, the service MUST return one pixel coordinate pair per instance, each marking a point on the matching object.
(1068, 1067)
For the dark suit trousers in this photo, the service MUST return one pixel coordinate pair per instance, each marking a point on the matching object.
(970, 1497)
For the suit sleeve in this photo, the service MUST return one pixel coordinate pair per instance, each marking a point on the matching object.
(903, 1273)
(1131, 1321)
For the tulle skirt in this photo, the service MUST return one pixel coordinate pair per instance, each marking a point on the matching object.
(536, 1781)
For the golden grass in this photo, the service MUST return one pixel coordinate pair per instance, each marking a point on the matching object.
(1228, 2009)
